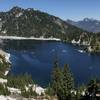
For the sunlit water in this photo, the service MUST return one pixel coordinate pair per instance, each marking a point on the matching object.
(37, 57)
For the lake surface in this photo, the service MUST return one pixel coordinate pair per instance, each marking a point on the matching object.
(37, 58)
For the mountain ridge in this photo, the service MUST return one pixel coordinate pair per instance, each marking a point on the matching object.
(88, 24)
(29, 22)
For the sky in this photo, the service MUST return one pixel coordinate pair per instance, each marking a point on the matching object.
(65, 9)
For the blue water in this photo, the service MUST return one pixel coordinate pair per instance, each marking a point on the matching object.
(37, 57)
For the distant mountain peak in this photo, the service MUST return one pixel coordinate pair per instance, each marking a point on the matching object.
(88, 24)
(90, 19)
(86, 19)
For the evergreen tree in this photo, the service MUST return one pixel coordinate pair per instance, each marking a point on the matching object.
(67, 82)
(62, 82)
(55, 77)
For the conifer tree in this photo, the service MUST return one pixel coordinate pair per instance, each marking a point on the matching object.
(62, 82)
(67, 82)
(55, 77)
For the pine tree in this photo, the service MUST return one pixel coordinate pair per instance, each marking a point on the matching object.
(55, 77)
(62, 82)
(68, 77)
(67, 83)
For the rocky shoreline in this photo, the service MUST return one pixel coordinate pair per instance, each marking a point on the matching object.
(29, 38)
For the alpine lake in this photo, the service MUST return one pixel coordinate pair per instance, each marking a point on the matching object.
(36, 57)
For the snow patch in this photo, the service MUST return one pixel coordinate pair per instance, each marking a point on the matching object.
(6, 73)
(7, 57)
(4, 32)
(75, 42)
(30, 38)
(6, 98)
(14, 90)
(39, 90)
(26, 88)
(19, 14)
(3, 81)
